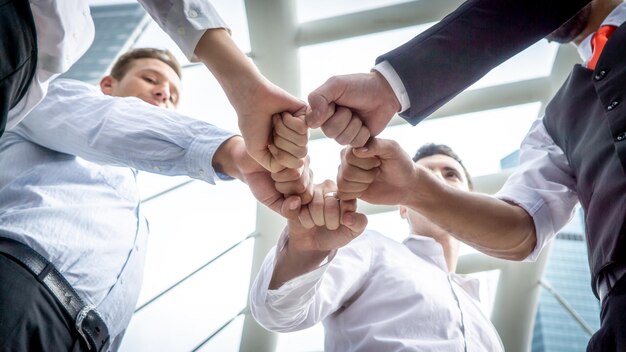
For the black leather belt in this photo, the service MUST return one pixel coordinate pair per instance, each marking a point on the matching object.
(88, 322)
(608, 278)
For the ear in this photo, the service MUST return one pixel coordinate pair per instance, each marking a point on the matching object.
(107, 83)
(403, 211)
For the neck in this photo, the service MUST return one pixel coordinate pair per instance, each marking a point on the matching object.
(450, 252)
(599, 11)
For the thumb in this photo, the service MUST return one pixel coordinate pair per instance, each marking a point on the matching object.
(354, 221)
(376, 147)
(322, 103)
(290, 208)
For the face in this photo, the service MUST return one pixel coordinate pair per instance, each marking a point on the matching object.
(150, 80)
(447, 170)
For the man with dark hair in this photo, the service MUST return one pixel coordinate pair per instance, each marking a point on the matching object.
(72, 231)
(371, 292)
(575, 154)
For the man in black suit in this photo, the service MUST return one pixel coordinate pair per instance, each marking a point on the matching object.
(576, 153)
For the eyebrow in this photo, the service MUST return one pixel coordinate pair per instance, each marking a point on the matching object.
(173, 87)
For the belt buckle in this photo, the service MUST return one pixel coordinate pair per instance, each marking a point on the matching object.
(80, 317)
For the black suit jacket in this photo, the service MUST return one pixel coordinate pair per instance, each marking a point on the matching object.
(441, 62)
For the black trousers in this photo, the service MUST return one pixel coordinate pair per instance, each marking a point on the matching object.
(18, 54)
(31, 319)
(612, 334)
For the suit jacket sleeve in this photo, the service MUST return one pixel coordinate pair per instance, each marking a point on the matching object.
(441, 62)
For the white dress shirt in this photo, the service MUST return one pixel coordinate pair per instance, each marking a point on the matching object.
(544, 184)
(65, 31)
(376, 294)
(60, 195)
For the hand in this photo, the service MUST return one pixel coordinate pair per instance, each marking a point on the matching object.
(327, 223)
(290, 138)
(256, 110)
(232, 159)
(254, 98)
(352, 108)
(379, 173)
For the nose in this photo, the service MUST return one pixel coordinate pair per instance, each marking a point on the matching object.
(161, 93)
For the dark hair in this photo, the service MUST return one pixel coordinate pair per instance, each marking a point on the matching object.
(431, 149)
(123, 62)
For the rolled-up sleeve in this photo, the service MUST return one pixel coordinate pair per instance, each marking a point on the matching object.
(544, 185)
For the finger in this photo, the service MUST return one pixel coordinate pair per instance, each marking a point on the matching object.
(337, 123)
(290, 208)
(299, 138)
(350, 132)
(302, 185)
(316, 206)
(321, 107)
(356, 222)
(289, 174)
(348, 196)
(295, 123)
(305, 218)
(349, 158)
(288, 146)
(332, 212)
(307, 196)
(281, 159)
(351, 173)
(383, 148)
(362, 137)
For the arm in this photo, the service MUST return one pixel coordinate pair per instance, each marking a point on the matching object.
(441, 62)
(203, 36)
(76, 119)
(254, 98)
(292, 291)
(491, 225)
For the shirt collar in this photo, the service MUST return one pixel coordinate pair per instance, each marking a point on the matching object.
(427, 248)
(615, 18)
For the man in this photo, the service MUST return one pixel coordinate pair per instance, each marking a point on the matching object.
(42, 39)
(576, 153)
(68, 194)
(373, 293)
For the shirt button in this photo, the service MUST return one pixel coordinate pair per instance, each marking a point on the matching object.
(181, 30)
(612, 105)
(620, 137)
(599, 75)
(193, 13)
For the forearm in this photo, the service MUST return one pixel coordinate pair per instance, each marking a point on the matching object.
(493, 226)
(291, 263)
(237, 75)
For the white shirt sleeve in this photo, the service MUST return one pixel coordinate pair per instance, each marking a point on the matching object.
(77, 119)
(185, 21)
(544, 185)
(307, 299)
(385, 69)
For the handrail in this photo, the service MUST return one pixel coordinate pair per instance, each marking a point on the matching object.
(242, 312)
(252, 235)
(583, 324)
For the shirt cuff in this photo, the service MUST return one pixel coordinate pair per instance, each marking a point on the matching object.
(385, 69)
(186, 22)
(301, 288)
(538, 210)
(200, 156)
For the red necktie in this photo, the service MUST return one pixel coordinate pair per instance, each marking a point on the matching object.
(599, 39)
